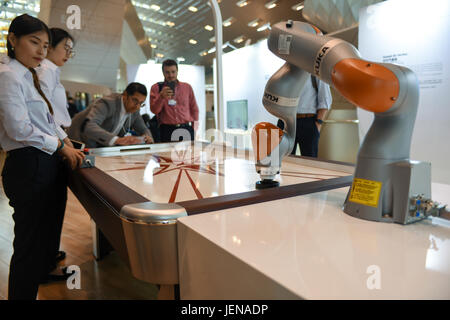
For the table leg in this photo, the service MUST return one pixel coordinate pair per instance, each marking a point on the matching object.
(101, 246)
(169, 292)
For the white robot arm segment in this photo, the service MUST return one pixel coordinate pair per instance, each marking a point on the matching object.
(390, 91)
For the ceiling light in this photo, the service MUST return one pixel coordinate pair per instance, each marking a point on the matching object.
(192, 41)
(193, 9)
(203, 53)
(298, 6)
(212, 39)
(228, 22)
(239, 39)
(242, 3)
(264, 27)
(159, 55)
(228, 44)
(272, 4)
(213, 49)
(254, 23)
(209, 28)
(170, 23)
(209, 4)
(154, 7)
(154, 46)
(181, 59)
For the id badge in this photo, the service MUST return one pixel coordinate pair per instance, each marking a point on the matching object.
(172, 102)
(50, 118)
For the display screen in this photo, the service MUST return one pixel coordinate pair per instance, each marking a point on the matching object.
(237, 114)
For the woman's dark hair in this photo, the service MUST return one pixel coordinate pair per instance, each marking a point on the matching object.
(24, 25)
(168, 63)
(134, 87)
(59, 35)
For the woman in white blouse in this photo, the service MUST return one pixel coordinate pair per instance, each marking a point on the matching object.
(59, 52)
(34, 166)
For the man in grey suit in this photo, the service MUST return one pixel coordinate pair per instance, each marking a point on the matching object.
(112, 120)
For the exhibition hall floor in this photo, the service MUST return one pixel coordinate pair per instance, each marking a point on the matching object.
(108, 279)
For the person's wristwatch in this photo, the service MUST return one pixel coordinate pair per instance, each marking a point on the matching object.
(319, 121)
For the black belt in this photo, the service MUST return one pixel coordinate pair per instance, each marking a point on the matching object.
(180, 125)
(306, 115)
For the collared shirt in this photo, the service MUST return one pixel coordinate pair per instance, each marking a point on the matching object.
(49, 77)
(123, 116)
(185, 110)
(312, 100)
(25, 120)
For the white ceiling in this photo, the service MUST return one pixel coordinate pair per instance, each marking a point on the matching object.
(173, 41)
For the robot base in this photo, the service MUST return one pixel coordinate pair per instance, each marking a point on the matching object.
(403, 183)
(266, 184)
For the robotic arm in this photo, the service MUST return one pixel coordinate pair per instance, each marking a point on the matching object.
(386, 185)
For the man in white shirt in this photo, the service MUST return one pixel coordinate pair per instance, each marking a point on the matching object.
(314, 102)
(113, 120)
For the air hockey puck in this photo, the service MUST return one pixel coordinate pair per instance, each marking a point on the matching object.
(265, 184)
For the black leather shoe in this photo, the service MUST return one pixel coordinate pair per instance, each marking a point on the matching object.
(61, 255)
(57, 277)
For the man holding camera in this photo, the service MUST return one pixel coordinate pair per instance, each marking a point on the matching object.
(174, 104)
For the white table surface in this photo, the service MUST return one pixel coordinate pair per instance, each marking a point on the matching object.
(307, 247)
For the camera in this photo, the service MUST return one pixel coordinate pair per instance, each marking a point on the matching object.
(172, 102)
(171, 85)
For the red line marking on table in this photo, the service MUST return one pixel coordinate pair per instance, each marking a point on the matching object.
(163, 169)
(175, 188)
(197, 192)
(125, 169)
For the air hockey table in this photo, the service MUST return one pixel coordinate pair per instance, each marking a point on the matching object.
(135, 196)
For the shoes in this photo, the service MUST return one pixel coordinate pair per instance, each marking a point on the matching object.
(61, 255)
(57, 277)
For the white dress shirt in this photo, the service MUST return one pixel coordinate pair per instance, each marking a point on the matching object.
(312, 100)
(123, 117)
(25, 120)
(49, 77)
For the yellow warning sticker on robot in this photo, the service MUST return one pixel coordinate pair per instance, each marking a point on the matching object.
(365, 192)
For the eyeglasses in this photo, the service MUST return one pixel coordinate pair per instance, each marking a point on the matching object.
(69, 51)
(137, 102)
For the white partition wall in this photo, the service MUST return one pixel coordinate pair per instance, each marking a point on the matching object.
(245, 74)
(151, 73)
(415, 34)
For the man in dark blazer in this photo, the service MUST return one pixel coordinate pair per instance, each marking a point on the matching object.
(113, 120)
